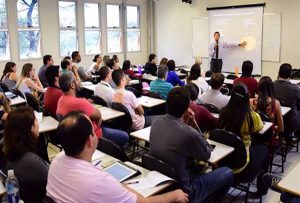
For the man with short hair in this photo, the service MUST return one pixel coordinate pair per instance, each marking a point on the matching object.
(67, 66)
(214, 95)
(246, 78)
(177, 140)
(47, 61)
(159, 85)
(53, 92)
(150, 66)
(69, 102)
(111, 64)
(73, 178)
(289, 95)
(76, 58)
(103, 88)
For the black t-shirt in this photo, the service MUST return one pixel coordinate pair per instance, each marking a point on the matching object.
(151, 68)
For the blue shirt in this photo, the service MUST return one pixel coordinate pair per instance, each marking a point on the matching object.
(161, 87)
(174, 79)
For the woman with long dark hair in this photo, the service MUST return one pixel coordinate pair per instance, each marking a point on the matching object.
(195, 77)
(9, 77)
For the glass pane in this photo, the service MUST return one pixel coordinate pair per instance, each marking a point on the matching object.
(114, 41)
(67, 14)
(113, 16)
(133, 40)
(28, 13)
(29, 44)
(91, 15)
(92, 41)
(4, 46)
(132, 16)
(68, 42)
(3, 20)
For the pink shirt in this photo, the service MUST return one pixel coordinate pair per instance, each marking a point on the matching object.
(76, 180)
(68, 103)
(129, 100)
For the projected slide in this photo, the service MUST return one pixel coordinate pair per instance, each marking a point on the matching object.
(237, 25)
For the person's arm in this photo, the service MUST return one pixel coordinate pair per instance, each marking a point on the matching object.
(139, 110)
(35, 84)
(211, 49)
(96, 115)
(75, 71)
(13, 76)
(232, 45)
(280, 126)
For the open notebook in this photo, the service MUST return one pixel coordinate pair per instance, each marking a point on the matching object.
(152, 179)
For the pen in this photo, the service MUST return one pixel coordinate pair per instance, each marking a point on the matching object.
(131, 182)
(98, 162)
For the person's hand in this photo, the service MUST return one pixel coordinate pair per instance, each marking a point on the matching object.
(243, 44)
(215, 47)
(180, 196)
(188, 116)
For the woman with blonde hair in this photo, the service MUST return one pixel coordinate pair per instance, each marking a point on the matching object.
(163, 61)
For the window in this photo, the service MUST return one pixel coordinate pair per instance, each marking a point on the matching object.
(28, 29)
(114, 37)
(92, 28)
(67, 27)
(4, 40)
(133, 29)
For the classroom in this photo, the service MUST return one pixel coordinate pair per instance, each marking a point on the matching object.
(149, 101)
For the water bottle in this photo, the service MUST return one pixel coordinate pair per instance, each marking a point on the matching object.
(140, 69)
(12, 187)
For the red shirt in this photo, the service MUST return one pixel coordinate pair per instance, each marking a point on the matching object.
(68, 103)
(51, 98)
(250, 83)
(204, 119)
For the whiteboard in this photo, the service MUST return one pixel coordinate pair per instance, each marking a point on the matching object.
(271, 37)
(200, 37)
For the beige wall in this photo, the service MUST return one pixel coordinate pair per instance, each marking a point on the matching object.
(173, 29)
(48, 10)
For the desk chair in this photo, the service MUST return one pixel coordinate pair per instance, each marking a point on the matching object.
(112, 149)
(4, 87)
(98, 100)
(210, 107)
(236, 159)
(48, 199)
(231, 76)
(153, 95)
(32, 102)
(18, 92)
(134, 91)
(123, 122)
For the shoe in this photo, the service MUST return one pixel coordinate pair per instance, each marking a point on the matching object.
(271, 181)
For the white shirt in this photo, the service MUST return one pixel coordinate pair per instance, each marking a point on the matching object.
(222, 46)
(202, 85)
(105, 91)
(216, 98)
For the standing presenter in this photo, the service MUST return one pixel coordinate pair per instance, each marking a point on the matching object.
(216, 50)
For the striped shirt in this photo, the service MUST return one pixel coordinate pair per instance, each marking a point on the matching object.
(161, 87)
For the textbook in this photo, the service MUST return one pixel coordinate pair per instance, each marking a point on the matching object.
(152, 179)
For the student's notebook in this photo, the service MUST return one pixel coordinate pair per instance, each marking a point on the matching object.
(152, 179)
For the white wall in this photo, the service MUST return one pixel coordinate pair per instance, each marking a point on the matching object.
(48, 11)
(173, 29)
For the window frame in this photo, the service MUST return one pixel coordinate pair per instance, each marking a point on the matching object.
(68, 27)
(120, 28)
(8, 34)
(134, 28)
(18, 29)
(93, 28)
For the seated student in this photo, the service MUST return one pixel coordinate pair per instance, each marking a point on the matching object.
(288, 93)
(176, 139)
(126, 68)
(239, 118)
(195, 77)
(129, 100)
(9, 77)
(214, 96)
(73, 178)
(163, 61)
(53, 92)
(105, 58)
(150, 66)
(94, 68)
(20, 137)
(267, 104)
(83, 74)
(29, 81)
(115, 58)
(69, 102)
(111, 64)
(103, 89)
(159, 85)
(66, 66)
(172, 76)
(205, 120)
(47, 61)
(246, 78)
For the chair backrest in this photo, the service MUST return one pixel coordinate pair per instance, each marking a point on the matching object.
(123, 122)
(238, 157)
(154, 164)
(295, 74)
(208, 73)
(18, 92)
(98, 100)
(4, 87)
(153, 95)
(112, 149)
(48, 200)
(134, 91)
(231, 77)
(210, 107)
(31, 101)
(59, 117)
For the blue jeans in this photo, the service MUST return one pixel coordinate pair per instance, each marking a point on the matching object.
(119, 137)
(288, 198)
(212, 186)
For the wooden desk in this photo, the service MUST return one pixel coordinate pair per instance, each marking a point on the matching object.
(17, 101)
(47, 124)
(285, 110)
(295, 82)
(108, 113)
(150, 102)
(143, 134)
(291, 182)
(149, 77)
